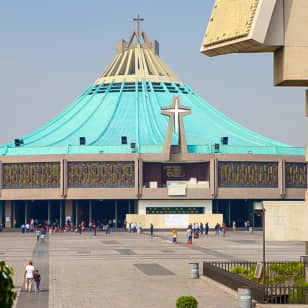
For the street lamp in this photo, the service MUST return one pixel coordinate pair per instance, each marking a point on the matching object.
(259, 209)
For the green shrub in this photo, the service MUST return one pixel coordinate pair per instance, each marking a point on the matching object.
(299, 296)
(7, 295)
(239, 270)
(186, 302)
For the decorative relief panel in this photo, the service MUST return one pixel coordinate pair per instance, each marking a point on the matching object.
(230, 20)
(248, 174)
(31, 175)
(296, 175)
(101, 174)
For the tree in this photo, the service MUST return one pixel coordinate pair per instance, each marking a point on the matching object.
(7, 294)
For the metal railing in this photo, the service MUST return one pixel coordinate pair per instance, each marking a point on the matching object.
(286, 294)
(278, 288)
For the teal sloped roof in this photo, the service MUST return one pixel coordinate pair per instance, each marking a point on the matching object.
(106, 112)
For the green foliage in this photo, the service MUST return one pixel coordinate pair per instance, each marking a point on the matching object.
(298, 295)
(279, 272)
(244, 272)
(283, 272)
(7, 295)
(186, 302)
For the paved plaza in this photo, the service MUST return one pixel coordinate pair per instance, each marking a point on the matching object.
(129, 270)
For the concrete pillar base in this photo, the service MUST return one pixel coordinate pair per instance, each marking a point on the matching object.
(8, 214)
(68, 210)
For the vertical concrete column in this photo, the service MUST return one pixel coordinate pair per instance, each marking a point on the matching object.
(281, 178)
(14, 213)
(69, 209)
(90, 210)
(139, 177)
(229, 212)
(49, 212)
(116, 212)
(77, 212)
(1, 212)
(212, 177)
(26, 211)
(8, 214)
(61, 212)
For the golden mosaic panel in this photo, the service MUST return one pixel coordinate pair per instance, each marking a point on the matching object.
(248, 174)
(296, 175)
(101, 174)
(31, 175)
(230, 20)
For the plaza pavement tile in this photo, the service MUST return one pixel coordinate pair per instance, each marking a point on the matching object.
(102, 271)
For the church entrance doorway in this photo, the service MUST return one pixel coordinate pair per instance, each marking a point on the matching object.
(38, 209)
(104, 211)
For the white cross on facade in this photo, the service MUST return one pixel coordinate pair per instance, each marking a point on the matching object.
(176, 112)
(176, 109)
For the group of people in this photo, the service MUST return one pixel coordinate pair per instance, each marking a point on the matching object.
(133, 227)
(32, 277)
(30, 225)
(195, 230)
(220, 229)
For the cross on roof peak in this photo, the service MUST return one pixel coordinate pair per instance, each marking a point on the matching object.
(138, 19)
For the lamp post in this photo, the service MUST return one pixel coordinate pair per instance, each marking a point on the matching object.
(259, 209)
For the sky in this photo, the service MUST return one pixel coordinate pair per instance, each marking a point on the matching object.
(50, 51)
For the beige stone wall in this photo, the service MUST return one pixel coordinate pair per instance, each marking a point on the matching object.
(286, 220)
(158, 220)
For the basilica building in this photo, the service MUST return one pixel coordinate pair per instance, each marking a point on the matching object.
(141, 141)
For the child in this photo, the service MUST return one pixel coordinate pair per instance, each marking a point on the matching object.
(37, 280)
(174, 234)
(38, 233)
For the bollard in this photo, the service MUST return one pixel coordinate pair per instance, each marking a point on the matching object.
(193, 270)
(244, 297)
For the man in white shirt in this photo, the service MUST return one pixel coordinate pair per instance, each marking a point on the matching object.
(29, 276)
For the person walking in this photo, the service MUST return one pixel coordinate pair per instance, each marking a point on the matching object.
(189, 235)
(37, 281)
(151, 229)
(107, 229)
(224, 229)
(28, 275)
(207, 228)
(37, 233)
(139, 228)
(201, 228)
(94, 229)
(234, 226)
(174, 235)
(217, 228)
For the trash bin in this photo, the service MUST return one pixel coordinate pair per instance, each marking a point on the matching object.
(244, 297)
(250, 229)
(193, 270)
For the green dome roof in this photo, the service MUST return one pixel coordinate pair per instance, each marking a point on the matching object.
(126, 101)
